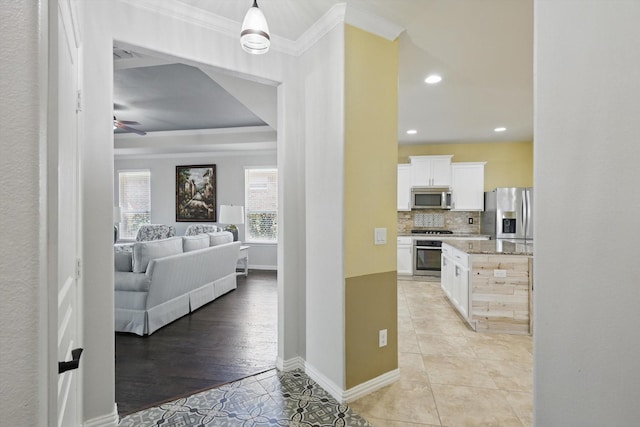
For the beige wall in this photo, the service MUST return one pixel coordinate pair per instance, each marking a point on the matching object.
(509, 164)
(371, 105)
(369, 300)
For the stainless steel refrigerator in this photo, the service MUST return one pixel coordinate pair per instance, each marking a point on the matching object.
(508, 213)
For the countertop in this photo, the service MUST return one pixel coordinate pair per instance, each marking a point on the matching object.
(492, 247)
(456, 236)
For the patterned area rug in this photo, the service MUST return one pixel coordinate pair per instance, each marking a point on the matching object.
(272, 398)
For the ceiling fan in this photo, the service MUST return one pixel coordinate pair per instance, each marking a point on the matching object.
(123, 124)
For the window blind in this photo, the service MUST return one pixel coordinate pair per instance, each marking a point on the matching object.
(261, 205)
(135, 201)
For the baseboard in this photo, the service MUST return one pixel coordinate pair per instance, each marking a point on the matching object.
(372, 385)
(263, 267)
(324, 382)
(109, 420)
(290, 364)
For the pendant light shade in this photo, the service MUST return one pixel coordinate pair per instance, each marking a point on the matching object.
(254, 36)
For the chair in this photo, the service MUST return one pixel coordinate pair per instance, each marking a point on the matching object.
(155, 232)
(195, 229)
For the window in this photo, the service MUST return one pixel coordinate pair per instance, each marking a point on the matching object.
(261, 205)
(135, 201)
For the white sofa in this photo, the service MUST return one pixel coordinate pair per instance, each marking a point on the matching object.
(159, 281)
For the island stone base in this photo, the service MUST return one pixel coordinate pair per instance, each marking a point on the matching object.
(501, 294)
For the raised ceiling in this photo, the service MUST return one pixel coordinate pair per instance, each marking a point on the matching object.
(482, 49)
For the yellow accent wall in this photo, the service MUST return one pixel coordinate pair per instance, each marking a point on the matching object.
(371, 123)
(370, 174)
(509, 164)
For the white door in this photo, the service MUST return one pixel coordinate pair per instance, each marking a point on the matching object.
(64, 204)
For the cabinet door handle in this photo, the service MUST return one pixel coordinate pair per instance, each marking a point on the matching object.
(73, 364)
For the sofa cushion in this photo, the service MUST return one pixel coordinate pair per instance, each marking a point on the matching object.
(194, 229)
(219, 238)
(129, 281)
(143, 252)
(193, 243)
(124, 261)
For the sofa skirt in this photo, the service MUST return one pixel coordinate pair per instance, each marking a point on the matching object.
(144, 322)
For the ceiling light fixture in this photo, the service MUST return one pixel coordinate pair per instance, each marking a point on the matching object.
(433, 79)
(254, 36)
(500, 129)
(412, 132)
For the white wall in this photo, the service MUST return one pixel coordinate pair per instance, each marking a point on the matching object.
(230, 190)
(323, 83)
(97, 212)
(586, 152)
(23, 291)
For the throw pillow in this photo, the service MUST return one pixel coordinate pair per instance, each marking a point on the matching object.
(123, 261)
(219, 238)
(143, 252)
(193, 243)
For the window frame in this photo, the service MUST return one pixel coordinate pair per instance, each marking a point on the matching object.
(247, 211)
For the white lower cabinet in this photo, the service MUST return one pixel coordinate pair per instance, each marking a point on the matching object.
(454, 278)
(405, 256)
(461, 290)
(446, 273)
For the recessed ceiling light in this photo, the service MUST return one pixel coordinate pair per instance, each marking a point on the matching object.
(433, 79)
(500, 129)
(412, 132)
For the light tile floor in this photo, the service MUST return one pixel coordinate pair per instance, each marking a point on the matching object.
(449, 376)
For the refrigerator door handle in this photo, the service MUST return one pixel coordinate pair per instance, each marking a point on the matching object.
(528, 194)
(523, 209)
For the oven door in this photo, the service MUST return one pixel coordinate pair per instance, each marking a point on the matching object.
(427, 261)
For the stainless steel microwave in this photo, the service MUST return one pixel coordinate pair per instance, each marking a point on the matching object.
(430, 198)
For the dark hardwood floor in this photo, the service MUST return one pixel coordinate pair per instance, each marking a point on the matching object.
(228, 339)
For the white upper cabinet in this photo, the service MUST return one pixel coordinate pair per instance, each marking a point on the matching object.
(467, 186)
(430, 171)
(404, 187)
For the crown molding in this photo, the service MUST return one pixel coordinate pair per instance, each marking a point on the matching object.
(373, 23)
(202, 18)
(231, 28)
(333, 17)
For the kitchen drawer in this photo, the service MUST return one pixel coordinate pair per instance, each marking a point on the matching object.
(447, 250)
(405, 240)
(461, 258)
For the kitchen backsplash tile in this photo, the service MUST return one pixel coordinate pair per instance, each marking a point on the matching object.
(458, 222)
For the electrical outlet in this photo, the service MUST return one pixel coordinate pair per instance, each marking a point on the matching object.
(470, 220)
(382, 338)
(499, 273)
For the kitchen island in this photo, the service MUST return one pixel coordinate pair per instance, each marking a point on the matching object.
(489, 282)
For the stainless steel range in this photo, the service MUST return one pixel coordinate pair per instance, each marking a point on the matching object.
(428, 252)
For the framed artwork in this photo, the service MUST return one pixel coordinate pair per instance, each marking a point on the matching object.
(196, 193)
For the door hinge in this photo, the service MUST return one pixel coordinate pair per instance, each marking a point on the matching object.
(78, 268)
(78, 101)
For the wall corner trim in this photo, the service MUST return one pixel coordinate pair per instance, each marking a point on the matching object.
(108, 420)
(373, 23)
(372, 385)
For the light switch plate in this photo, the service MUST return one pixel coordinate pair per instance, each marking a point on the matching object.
(380, 236)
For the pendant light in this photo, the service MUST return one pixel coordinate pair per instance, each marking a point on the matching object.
(254, 37)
